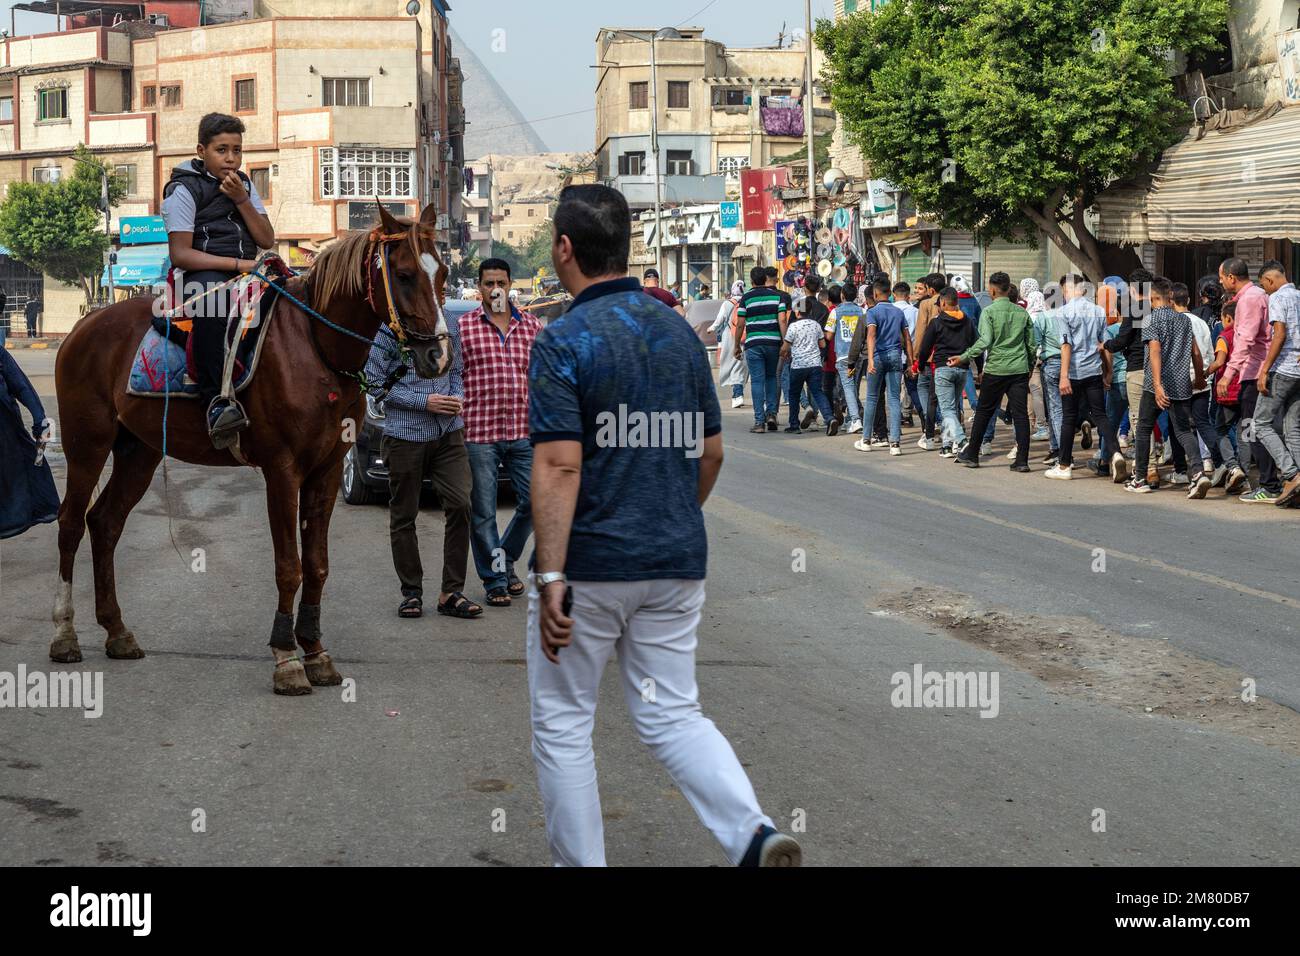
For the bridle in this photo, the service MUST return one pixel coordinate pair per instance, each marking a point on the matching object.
(378, 248)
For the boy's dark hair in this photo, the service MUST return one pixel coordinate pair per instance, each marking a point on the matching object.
(1163, 288)
(218, 124)
(1229, 310)
(880, 287)
(1272, 266)
(849, 291)
(597, 221)
(1072, 279)
(1000, 281)
(948, 295)
(487, 264)
(1140, 277)
(758, 276)
(903, 289)
(771, 272)
(1235, 267)
(811, 284)
(835, 294)
(1180, 294)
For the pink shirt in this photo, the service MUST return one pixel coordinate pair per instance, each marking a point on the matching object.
(1250, 334)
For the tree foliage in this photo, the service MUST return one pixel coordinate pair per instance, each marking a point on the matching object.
(58, 228)
(1039, 104)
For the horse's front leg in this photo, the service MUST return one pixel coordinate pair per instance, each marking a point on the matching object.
(282, 485)
(319, 493)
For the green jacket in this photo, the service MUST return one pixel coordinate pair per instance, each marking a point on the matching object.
(1008, 336)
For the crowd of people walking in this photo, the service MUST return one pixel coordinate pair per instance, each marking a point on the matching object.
(1205, 381)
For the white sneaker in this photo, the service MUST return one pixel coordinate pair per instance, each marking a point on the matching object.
(738, 401)
(1011, 455)
(861, 445)
(1064, 473)
(1118, 468)
(1123, 442)
(895, 450)
(925, 444)
(1179, 478)
(855, 428)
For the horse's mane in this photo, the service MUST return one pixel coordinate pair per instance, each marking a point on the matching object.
(340, 268)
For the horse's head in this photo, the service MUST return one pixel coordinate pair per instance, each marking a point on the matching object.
(417, 279)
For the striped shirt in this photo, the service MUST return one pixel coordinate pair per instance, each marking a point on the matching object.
(406, 408)
(761, 309)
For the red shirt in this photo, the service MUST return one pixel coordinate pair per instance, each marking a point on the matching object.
(662, 294)
(496, 375)
(1234, 390)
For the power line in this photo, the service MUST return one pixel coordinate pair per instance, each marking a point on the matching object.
(697, 12)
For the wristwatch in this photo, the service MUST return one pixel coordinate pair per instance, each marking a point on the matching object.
(550, 577)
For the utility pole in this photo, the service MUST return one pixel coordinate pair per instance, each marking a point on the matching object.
(108, 230)
(808, 108)
(654, 148)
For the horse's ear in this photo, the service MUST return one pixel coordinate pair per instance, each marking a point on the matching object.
(391, 226)
(429, 217)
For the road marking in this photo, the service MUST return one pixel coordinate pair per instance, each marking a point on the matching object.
(1036, 532)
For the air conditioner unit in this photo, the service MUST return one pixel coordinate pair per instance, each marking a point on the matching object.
(158, 20)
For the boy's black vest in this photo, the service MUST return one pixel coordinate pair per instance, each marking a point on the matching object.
(219, 228)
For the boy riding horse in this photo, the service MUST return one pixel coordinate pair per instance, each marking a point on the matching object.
(216, 224)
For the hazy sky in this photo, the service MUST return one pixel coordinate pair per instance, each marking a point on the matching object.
(549, 47)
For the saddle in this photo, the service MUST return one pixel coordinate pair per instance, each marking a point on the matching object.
(164, 362)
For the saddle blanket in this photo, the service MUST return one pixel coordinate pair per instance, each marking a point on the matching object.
(163, 367)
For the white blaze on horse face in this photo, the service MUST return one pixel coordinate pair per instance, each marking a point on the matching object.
(430, 265)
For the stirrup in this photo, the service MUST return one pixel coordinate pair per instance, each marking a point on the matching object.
(224, 432)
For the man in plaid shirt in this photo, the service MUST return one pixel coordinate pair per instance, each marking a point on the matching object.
(497, 340)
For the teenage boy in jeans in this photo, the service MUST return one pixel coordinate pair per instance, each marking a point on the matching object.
(1085, 367)
(1277, 417)
(840, 329)
(1171, 347)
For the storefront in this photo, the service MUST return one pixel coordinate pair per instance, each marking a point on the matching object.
(698, 251)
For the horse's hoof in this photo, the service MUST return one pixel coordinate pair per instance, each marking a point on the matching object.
(321, 672)
(123, 647)
(65, 650)
(291, 679)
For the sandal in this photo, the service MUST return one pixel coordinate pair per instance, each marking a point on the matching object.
(459, 606)
(498, 597)
(410, 607)
(516, 587)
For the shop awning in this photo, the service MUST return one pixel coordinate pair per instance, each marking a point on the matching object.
(745, 252)
(1238, 181)
(139, 265)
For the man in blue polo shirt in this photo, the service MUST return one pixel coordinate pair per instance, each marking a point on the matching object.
(627, 436)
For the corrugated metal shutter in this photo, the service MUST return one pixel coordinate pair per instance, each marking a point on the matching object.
(958, 251)
(1016, 260)
(913, 265)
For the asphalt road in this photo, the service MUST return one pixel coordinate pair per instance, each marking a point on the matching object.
(431, 763)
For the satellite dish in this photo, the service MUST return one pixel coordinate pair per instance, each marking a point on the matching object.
(668, 33)
(413, 8)
(832, 176)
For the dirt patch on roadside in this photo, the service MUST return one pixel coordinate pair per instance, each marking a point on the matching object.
(1144, 676)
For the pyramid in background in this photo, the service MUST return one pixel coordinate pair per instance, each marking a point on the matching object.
(494, 123)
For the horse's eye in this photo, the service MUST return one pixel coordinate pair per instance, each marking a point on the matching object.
(405, 277)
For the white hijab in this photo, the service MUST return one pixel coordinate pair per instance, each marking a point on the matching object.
(1032, 296)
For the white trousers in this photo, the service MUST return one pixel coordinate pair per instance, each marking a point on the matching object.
(652, 625)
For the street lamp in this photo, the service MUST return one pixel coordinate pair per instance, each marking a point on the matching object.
(666, 33)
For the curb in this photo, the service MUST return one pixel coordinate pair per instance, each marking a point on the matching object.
(13, 345)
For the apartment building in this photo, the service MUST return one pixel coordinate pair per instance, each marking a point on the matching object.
(59, 91)
(720, 110)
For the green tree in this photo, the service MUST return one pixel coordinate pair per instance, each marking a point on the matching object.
(58, 228)
(1032, 106)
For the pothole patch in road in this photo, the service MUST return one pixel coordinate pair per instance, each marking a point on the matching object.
(1140, 675)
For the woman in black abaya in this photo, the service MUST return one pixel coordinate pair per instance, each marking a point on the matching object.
(27, 493)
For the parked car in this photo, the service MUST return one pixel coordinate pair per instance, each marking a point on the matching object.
(365, 475)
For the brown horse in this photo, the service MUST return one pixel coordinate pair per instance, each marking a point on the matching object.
(300, 406)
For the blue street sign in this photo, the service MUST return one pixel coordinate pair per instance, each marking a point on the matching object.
(137, 230)
(729, 215)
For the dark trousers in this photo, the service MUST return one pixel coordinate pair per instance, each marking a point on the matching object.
(1268, 476)
(834, 397)
(1204, 426)
(991, 392)
(1087, 396)
(31, 326)
(446, 462)
(1180, 421)
(812, 377)
(209, 329)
